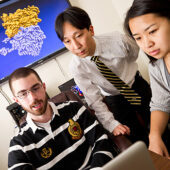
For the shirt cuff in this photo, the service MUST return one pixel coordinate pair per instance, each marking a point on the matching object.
(111, 125)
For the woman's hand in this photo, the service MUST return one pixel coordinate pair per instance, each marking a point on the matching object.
(157, 145)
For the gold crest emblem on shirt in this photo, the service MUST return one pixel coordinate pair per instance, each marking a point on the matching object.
(46, 152)
(74, 129)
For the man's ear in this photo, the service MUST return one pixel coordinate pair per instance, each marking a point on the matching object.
(16, 100)
(44, 86)
(91, 29)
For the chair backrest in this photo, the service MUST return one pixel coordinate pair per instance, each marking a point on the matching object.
(65, 96)
(17, 113)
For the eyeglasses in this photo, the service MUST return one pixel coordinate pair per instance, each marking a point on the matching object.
(35, 89)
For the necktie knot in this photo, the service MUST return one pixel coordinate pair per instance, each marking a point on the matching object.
(94, 58)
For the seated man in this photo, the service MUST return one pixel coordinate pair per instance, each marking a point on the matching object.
(63, 136)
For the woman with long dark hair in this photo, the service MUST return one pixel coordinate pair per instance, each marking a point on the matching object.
(148, 23)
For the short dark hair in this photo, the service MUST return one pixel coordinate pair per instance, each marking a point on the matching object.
(20, 73)
(141, 7)
(75, 16)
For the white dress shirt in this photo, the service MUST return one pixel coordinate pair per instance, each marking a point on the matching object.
(120, 56)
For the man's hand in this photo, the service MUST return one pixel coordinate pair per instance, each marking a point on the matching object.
(121, 130)
(157, 145)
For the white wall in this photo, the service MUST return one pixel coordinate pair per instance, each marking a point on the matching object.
(103, 15)
(106, 16)
(121, 7)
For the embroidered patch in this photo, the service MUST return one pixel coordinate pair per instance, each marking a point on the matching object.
(46, 152)
(74, 129)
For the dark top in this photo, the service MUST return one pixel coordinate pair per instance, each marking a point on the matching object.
(77, 141)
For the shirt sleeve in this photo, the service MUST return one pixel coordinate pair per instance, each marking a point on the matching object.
(95, 101)
(131, 50)
(17, 160)
(103, 148)
(160, 93)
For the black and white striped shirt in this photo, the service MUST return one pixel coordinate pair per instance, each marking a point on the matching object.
(77, 141)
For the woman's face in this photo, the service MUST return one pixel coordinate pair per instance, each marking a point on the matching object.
(152, 34)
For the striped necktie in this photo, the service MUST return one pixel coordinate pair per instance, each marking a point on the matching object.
(123, 88)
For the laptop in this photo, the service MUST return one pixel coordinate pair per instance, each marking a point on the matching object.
(136, 157)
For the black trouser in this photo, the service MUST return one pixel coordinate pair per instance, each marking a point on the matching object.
(143, 89)
(126, 114)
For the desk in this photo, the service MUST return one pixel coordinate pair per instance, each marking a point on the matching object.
(160, 163)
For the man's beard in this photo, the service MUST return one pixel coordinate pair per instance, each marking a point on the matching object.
(40, 111)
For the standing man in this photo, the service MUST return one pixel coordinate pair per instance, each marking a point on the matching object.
(74, 28)
(54, 136)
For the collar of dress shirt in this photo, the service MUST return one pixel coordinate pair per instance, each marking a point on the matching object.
(31, 123)
(98, 48)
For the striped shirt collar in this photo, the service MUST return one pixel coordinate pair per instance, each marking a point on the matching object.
(31, 123)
